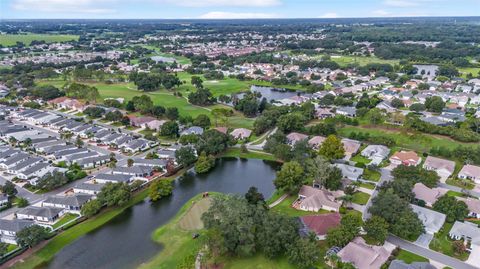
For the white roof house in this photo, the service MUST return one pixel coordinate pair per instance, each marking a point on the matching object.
(470, 172)
(432, 220)
(376, 153)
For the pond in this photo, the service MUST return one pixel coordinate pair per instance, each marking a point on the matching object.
(272, 94)
(125, 242)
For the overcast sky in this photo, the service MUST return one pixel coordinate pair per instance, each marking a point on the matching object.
(233, 9)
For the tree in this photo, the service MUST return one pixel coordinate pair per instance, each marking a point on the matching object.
(291, 122)
(434, 104)
(351, 224)
(213, 142)
(397, 103)
(459, 247)
(170, 129)
(197, 82)
(185, 156)
(91, 208)
(22, 202)
(114, 194)
(94, 111)
(172, 113)
(377, 228)
(204, 163)
(304, 253)
(417, 107)
(254, 197)
(159, 189)
(201, 97)
(3, 249)
(332, 148)
(52, 180)
(202, 120)
(290, 177)
(142, 103)
(375, 116)
(452, 208)
(31, 236)
(9, 189)
(415, 174)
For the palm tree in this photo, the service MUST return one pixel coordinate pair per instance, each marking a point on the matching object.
(12, 140)
(346, 200)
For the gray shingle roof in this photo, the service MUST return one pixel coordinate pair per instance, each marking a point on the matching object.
(14, 225)
(76, 200)
(46, 212)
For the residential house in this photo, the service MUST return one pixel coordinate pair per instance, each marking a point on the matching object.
(429, 196)
(351, 147)
(323, 113)
(432, 220)
(320, 224)
(444, 168)
(241, 133)
(93, 162)
(385, 105)
(10, 227)
(466, 231)
(471, 172)
(140, 121)
(376, 153)
(139, 172)
(294, 138)
(89, 188)
(40, 214)
(347, 111)
(112, 178)
(71, 203)
(136, 145)
(316, 141)
(473, 206)
(350, 172)
(313, 199)
(192, 130)
(408, 158)
(364, 256)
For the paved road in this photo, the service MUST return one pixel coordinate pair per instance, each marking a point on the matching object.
(427, 253)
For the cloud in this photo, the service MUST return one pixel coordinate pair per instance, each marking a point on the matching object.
(329, 15)
(235, 15)
(67, 6)
(381, 13)
(223, 3)
(400, 3)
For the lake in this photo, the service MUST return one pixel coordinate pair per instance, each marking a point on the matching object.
(125, 242)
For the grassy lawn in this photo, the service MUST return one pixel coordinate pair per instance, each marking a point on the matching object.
(285, 208)
(409, 257)
(371, 175)
(461, 183)
(442, 243)
(46, 253)
(369, 186)
(360, 198)
(11, 39)
(344, 60)
(360, 159)
(179, 243)
(455, 194)
(466, 70)
(236, 152)
(416, 142)
(277, 194)
(66, 218)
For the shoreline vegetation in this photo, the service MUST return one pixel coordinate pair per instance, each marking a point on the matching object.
(44, 254)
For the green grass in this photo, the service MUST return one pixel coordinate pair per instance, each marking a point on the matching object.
(416, 142)
(360, 159)
(160, 97)
(285, 208)
(360, 198)
(66, 218)
(369, 186)
(65, 238)
(344, 60)
(466, 70)
(409, 257)
(455, 194)
(371, 175)
(179, 243)
(442, 243)
(277, 194)
(11, 39)
(236, 152)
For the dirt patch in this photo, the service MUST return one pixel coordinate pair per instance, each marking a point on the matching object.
(192, 219)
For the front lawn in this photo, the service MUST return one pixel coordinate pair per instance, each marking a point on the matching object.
(442, 243)
(372, 175)
(409, 257)
(461, 183)
(360, 198)
(360, 159)
(369, 186)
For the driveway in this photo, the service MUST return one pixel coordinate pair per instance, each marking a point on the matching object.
(474, 258)
(424, 240)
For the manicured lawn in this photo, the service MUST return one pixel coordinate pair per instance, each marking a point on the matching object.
(442, 243)
(277, 194)
(466, 70)
(258, 261)
(11, 39)
(371, 175)
(179, 243)
(236, 152)
(360, 198)
(344, 60)
(66, 218)
(285, 208)
(455, 194)
(409, 257)
(416, 142)
(369, 186)
(360, 159)
(65, 238)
